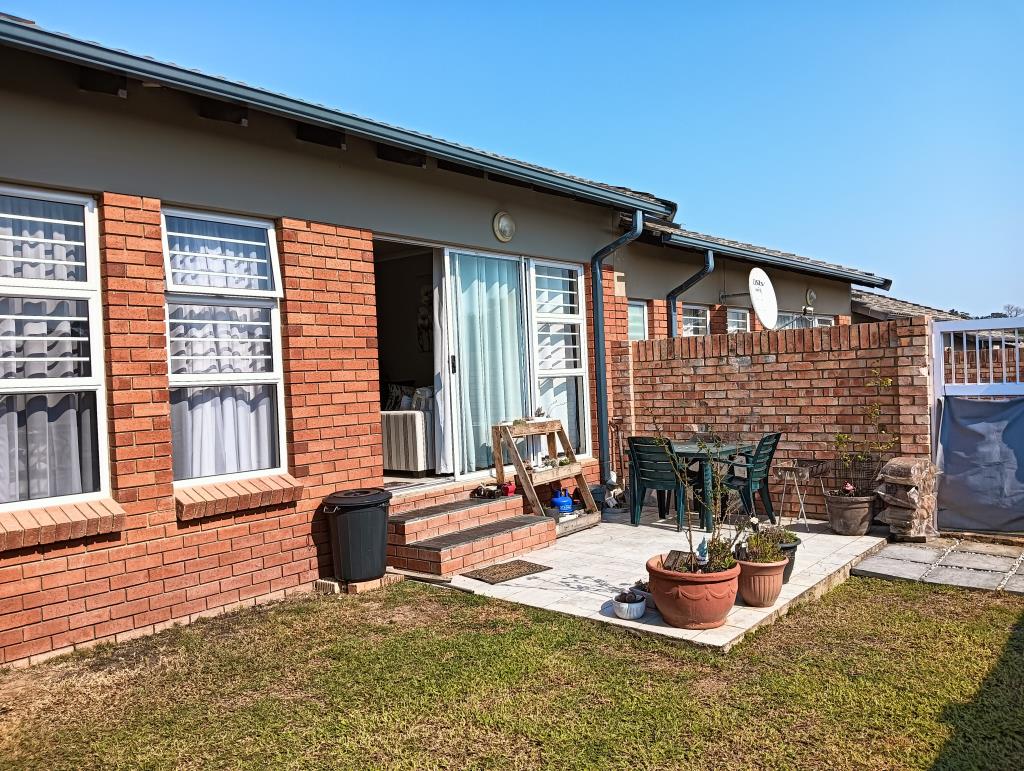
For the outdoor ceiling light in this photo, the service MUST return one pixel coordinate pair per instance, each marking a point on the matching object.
(504, 226)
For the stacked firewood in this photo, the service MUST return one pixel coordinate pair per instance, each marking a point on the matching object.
(907, 492)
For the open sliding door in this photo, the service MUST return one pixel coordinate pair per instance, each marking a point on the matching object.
(488, 358)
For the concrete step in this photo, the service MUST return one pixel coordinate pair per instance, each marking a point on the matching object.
(456, 552)
(431, 521)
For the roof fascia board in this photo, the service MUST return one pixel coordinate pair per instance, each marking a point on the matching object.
(838, 274)
(90, 54)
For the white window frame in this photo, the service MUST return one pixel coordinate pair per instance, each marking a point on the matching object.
(642, 306)
(228, 219)
(239, 298)
(535, 319)
(815, 319)
(729, 321)
(682, 320)
(58, 289)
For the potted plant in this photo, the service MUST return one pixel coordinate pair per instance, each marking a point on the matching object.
(762, 565)
(629, 605)
(850, 501)
(696, 589)
(787, 541)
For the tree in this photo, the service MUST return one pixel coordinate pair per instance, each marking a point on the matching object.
(1013, 311)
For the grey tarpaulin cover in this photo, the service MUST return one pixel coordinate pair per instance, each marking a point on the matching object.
(981, 462)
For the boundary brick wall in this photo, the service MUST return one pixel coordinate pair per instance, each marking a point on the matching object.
(807, 383)
(175, 558)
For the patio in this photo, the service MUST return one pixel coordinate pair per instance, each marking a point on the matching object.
(588, 568)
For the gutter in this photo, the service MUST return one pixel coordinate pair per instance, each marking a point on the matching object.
(88, 54)
(828, 271)
(673, 297)
(600, 363)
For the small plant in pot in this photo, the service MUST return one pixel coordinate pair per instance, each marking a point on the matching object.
(762, 565)
(850, 501)
(788, 542)
(629, 605)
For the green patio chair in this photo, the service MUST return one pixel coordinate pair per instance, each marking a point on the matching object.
(756, 466)
(653, 466)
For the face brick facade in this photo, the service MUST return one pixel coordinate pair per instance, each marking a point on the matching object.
(151, 556)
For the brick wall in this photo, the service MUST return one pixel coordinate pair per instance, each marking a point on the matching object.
(159, 568)
(807, 383)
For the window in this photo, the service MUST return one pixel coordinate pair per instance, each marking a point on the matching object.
(52, 409)
(792, 320)
(224, 346)
(637, 319)
(560, 345)
(695, 321)
(738, 320)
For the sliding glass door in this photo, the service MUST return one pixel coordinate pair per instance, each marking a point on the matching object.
(490, 359)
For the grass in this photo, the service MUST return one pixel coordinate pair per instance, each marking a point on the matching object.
(875, 675)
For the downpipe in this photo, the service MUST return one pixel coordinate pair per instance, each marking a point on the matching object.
(600, 363)
(673, 297)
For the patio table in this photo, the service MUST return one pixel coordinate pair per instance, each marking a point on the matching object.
(692, 450)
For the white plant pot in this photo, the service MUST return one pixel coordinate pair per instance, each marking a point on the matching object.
(629, 611)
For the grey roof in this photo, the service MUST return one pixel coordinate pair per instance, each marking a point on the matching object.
(883, 307)
(30, 37)
(677, 236)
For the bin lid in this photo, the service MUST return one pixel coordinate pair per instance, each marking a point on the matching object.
(356, 499)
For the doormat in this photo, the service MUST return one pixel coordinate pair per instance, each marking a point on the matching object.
(506, 571)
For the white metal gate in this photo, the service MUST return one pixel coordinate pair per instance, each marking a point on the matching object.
(978, 422)
(978, 357)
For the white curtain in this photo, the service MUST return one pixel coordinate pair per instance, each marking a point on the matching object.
(560, 398)
(51, 334)
(218, 254)
(47, 445)
(223, 430)
(217, 339)
(492, 353)
(60, 255)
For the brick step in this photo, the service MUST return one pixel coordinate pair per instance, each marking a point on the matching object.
(431, 521)
(466, 549)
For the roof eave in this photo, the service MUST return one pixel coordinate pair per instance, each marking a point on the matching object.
(836, 273)
(88, 54)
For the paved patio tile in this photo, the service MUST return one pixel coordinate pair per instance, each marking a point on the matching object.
(905, 551)
(1015, 584)
(881, 566)
(995, 549)
(971, 579)
(967, 559)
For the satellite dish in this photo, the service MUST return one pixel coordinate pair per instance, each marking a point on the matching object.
(762, 297)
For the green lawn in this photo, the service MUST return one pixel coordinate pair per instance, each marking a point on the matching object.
(874, 675)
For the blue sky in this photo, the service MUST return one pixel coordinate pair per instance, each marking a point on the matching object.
(887, 136)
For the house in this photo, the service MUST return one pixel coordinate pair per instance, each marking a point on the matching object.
(871, 306)
(219, 304)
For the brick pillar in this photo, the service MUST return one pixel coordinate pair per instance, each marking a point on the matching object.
(616, 330)
(718, 316)
(844, 321)
(657, 319)
(332, 387)
(137, 392)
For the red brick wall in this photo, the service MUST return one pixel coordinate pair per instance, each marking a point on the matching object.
(807, 383)
(159, 570)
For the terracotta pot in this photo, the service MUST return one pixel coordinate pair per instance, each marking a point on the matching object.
(692, 600)
(789, 549)
(761, 582)
(849, 515)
